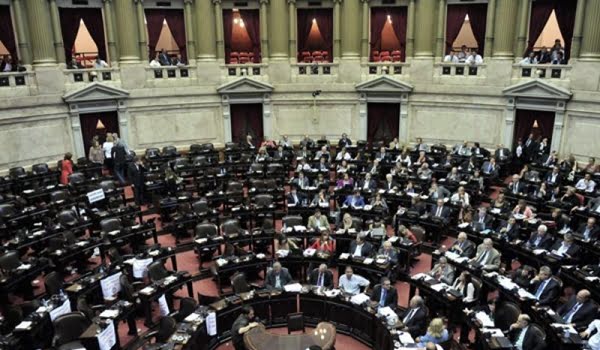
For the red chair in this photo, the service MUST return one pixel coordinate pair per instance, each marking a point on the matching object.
(244, 59)
(233, 61)
(307, 59)
(305, 54)
(396, 58)
(318, 58)
(234, 54)
(316, 53)
(325, 55)
(396, 53)
(386, 59)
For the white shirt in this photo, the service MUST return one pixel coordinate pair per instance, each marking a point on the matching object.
(470, 290)
(584, 185)
(100, 64)
(358, 250)
(107, 147)
(474, 59)
(451, 59)
(8, 67)
(353, 285)
(155, 64)
(521, 338)
(594, 341)
(343, 156)
(456, 198)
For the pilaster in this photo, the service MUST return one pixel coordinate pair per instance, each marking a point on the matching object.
(351, 29)
(293, 28)
(59, 47)
(364, 39)
(504, 28)
(578, 29)
(410, 30)
(110, 32)
(141, 26)
(206, 31)
(524, 14)
(590, 43)
(22, 33)
(489, 28)
(336, 29)
(219, 30)
(129, 36)
(40, 28)
(440, 38)
(264, 33)
(425, 17)
(278, 37)
(189, 30)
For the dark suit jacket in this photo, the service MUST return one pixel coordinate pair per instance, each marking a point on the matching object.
(136, 177)
(550, 293)
(417, 324)
(393, 255)
(366, 250)
(344, 143)
(118, 154)
(391, 298)
(548, 179)
(445, 211)
(545, 242)
(572, 251)
(593, 232)
(520, 187)
(468, 249)
(371, 186)
(512, 233)
(327, 278)
(284, 278)
(300, 196)
(532, 340)
(505, 152)
(387, 186)
(487, 222)
(584, 315)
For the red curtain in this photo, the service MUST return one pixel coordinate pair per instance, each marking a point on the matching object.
(565, 16)
(176, 23)
(378, 18)
(540, 13)
(399, 18)
(383, 121)
(154, 24)
(478, 18)
(251, 20)
(455, 18)
(7, 35)
(70, 19)
(324, 18)
(524, 124)
(246, 119)
(227, 29)
(88, 127)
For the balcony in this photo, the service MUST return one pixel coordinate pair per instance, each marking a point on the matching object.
(80, 77)
(236, 70)
(170, 76)
(542, 71)
(459, 70)
(308, 72)
(371, 69)
(16, 83)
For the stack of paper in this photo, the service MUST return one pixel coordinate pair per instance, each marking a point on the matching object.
(293, 288)
(299, 228)
(439, 287)
(147, 291)
(359, 299)
(109, 313)
(221, 262)
(485, 319)
(309, 252)
(344, 256)
(495, 332)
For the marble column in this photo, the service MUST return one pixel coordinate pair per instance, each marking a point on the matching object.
(440, 38)
(278, 38)
(59, 47)
(578, 29)
(219, 29)
(590, 43)
(110, 32)
(364, 40)
(22, 36)
(40, 29)
(425, 17)
(489, 28)
(336, 29)
(504, 28)
(128, 39)
(189, 29)
(264, 30)
(410, 29)
(524, 10)
(142, 31)
(206, 31)
(293, 18)
(351, 29)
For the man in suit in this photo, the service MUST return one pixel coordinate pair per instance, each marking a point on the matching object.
(389, 183)
(462, 149)
(589, 230)
(540, 239)
(550, 160)
(567, 247)
(367, 184)
(359, 247)
(482, 221)
(355, 200)
(280, 154)
(510, 230)
(487, 256)
(285, 142)
(502, 153)
(135, 173)
(119, 156)
(462, 246)
(301, 181)
(440, 210)
(443, 272)
(278, 277)
(389, 252)
(321, 277)
(344, 141)
(437, 191)
(516, 186)
(382, 155)
(164, 58)
(553, 179)
(295, 198)
(414, 318)
(420, 146)
(491, 168)
(544, 287)
(318, 222)
(524, 337)
(594, 205)
(384, 294)
(579, 311)
(531, 147)
(307, 142)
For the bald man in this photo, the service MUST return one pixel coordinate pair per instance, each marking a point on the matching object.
(579, 311)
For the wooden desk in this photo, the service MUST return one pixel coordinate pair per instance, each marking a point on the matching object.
(259, 338)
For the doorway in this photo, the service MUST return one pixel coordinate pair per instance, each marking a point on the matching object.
(383, 122)
(538, 123)
(97, 124)
(247, 119)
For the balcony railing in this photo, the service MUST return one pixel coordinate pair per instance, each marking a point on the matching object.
(169, 72)
(14, 79)
(542, 71)
(460, 69)
(386, 68)
(245, 69)
(75, 76)
(320, 68)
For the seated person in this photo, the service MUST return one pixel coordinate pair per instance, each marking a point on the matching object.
(523, 209)
(414, 319)
(440, 210)
(347, 222)
(278, 277)
(594, 340)
(461, 197)
(539, 192)
(321, 277)
(516, 186)
(462, 246)
(323, 165)
(422, 159)
(283, 243)
(500, 203)
(454, 175)
(389, 252)
(410, 188)
(343, 167)
(404, 158)
(344, 141)
(553, 179)
(382, 155)
(436, 333)
(569, 199)
(350, 283)
(355, 200)
(379, 203)
(477, 180)
(318, 222)
(303, 166)
(482, 221)
(579, 311)
(321, 182)
(418, 205)
(302, 182)
(437, 191)
(389, 183)
(424, 173)
(242, 325)
(343, 155)
(406, 235)
(589, 230)
(544, 287)
(304, 154)
(442, 271)
(384, 294)
(490, 168)
(360, 248)
(487, 256)
(324, 244)
(344, 181)
(466, 287)
(523, 336)
(463, 149)
(523, 275)
(509, 231)
(567, 248)
(321, 199)
(367, 184)
(295, 198)
(374, 168)
(540, 239)
(469, 166)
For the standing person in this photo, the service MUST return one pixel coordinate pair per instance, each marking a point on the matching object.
(107, 147)
(96, 154)
(135, 173)
(119, 156)
(243, 323)
(66, 168)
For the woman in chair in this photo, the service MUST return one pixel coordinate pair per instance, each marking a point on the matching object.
(464, 284)
(436, 333)
(324, 244)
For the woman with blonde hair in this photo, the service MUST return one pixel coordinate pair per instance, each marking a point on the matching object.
(346, 223)
(107, 148)
(96, 154)
(436, 333)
